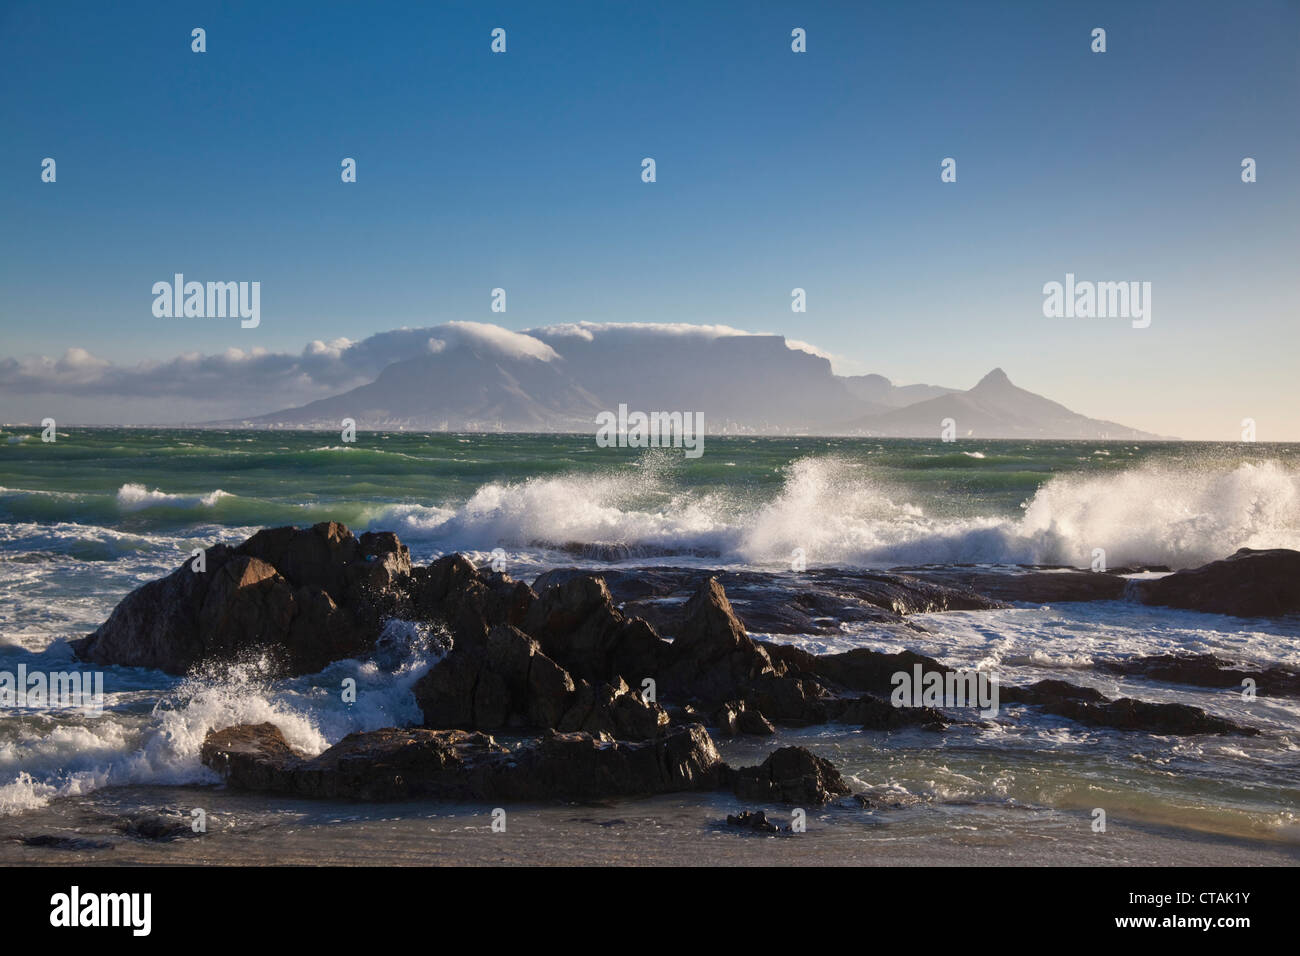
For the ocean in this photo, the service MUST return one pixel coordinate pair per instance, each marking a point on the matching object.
(85, 519)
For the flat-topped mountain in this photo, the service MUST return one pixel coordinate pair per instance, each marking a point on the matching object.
(472, 377)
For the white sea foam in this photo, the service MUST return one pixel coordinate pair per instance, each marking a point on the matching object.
(64, 756)
(134, 497)
(840, 515)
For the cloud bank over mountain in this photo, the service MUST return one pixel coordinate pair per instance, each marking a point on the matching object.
(478, 376)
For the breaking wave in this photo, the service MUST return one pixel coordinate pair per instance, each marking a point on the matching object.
(840, 515)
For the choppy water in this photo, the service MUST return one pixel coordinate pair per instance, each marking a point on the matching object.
(85, 519)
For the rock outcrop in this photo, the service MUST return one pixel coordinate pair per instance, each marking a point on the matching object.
(459, 765)
(397, 764)
(563, 656)
(790, 775)
(1246, 584)
(816, 601)
(309, 596)
(506, 681)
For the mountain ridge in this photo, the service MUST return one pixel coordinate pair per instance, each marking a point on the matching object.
(745, 384)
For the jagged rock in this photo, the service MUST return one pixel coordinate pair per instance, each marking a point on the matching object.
(795, 701)
(791, 659)
(310, 595)
(507, 681)
(1207, 670)
(790, 775)
(612, 710)
(458, 765)
(470, 601)
(578, 626)
(1249, 583)
(711, 657)
(734, 718)
(816, 601)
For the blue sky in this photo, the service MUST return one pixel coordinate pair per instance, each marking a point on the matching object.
(775, 170)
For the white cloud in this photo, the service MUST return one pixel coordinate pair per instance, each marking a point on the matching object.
(247, 381)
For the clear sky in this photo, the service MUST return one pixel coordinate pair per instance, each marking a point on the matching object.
(775, 170)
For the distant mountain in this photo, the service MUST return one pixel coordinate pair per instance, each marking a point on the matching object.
(994, 408)
(481, 378)
(465, 389)
(883, 393)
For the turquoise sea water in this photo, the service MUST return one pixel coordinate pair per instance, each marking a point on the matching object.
(100, 511)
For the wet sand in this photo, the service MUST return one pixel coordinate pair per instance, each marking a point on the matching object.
(671, 830)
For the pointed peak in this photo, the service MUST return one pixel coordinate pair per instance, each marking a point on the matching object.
(995, 377)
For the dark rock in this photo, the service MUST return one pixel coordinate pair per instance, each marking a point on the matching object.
(1035, 585)
(1089, 706)
(794, 701)
(53, 842)
(790, 659)
(790, 775)
(1207, 670)
(163, 826)
(1129, 714)
(575, 621)
(755, 820)
(1247, 584)
(1050, 693)
(312, 596)
(875, 713)
(458, 765)
(734, 718)
(506, 681)
(809, 602)
(711, 657)
(469, 601)
(862, 669)
(612, 710)
(885, 799)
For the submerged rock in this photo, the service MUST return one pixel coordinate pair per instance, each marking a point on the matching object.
(1207, 670)
(755, 820)
(162, 826)
(1090, 707)
(54, 842)
(1036, 585)
(1129, 714)
(1246, 584)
